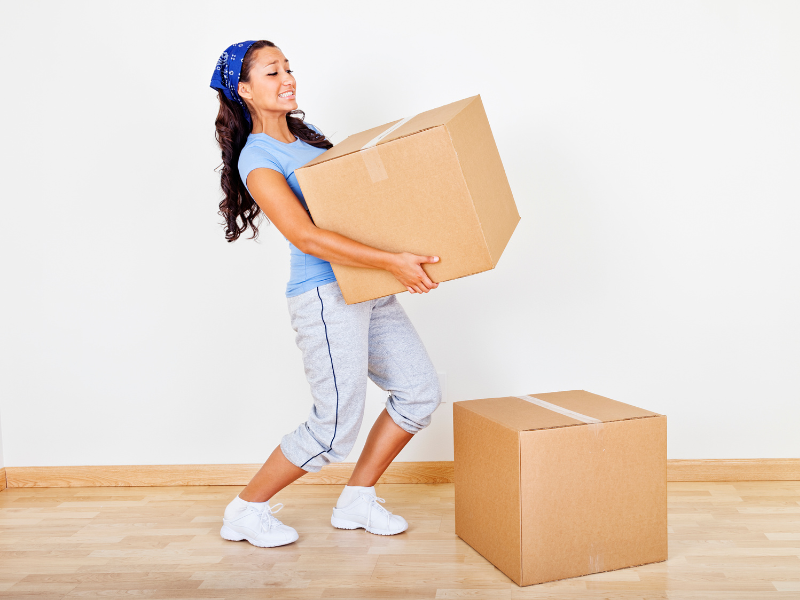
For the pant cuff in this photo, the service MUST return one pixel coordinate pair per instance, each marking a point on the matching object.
(409, 425)
(308, 466)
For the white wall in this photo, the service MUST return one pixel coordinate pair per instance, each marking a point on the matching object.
(652, 148)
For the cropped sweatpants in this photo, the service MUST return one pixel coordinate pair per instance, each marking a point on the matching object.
(342, 345)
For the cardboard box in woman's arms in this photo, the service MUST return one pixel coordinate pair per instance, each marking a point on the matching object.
(431, 184)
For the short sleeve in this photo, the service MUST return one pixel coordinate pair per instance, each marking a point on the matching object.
(254, 156)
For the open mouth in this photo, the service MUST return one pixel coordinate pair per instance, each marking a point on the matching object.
(289, 94)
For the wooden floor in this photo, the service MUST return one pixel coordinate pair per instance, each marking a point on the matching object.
(731, 541)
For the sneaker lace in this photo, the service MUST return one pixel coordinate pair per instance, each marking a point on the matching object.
(373, 503)
(268, 518)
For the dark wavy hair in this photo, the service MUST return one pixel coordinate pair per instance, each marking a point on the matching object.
(238, 207)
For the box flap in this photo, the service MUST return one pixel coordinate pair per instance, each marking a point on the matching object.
(522, 415)
(420, 122)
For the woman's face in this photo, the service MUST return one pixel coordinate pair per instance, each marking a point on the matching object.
(272, 86)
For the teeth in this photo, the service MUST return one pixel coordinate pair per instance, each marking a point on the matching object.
(285, 94)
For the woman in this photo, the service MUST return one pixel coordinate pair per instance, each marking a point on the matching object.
(264, 138)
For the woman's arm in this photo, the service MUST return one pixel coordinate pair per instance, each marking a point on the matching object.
(279, 203)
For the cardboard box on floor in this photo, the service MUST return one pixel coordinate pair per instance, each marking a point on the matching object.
(431, 184)
(562, 484)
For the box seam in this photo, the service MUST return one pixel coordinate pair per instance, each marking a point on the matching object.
(601, 422)
(381, 143)
(555, 426)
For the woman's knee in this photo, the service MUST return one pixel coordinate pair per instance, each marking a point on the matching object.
(312, 445)
(413, 412)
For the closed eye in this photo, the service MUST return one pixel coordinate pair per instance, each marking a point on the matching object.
(275, 73)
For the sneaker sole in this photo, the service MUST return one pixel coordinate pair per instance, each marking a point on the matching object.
(345, 524)
(229, 534)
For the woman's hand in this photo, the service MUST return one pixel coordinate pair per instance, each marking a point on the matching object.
(407, 269)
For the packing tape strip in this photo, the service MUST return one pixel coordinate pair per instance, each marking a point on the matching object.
(369, 152)
(372, 160)
(564, 411)
(596, 563)
(596, 557)
(374, 141)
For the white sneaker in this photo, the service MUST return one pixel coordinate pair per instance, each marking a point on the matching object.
(259, 527)
(365, 512)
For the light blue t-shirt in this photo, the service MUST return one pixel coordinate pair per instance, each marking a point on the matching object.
(261, 150)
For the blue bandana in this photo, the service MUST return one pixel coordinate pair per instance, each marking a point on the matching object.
(226, 75)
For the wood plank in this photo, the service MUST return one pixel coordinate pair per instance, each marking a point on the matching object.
(3, 483)
(751, 469)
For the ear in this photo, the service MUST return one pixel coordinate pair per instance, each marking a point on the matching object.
(244, 90)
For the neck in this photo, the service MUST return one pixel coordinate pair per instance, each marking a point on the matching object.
(274, 125)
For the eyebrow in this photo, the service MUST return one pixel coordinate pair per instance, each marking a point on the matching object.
(274, 61)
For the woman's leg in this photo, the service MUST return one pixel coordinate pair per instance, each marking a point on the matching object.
(333, 338)
(272, 477)
(399, 364)
(385, 440)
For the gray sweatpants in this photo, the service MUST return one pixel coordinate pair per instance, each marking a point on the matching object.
(342, 345)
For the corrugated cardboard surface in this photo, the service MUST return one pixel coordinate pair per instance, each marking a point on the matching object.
(487, 460)
(591, 497)
(486, 178)
(422, 170)
(435, 186)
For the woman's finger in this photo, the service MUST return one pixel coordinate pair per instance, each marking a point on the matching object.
(427, 282)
